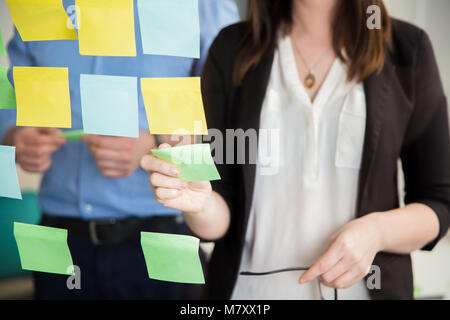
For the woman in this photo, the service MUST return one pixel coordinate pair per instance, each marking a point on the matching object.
(346, 102)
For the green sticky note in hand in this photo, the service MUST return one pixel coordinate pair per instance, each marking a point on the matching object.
(73, 135)
(7, 94)
(2, 46)
(194, 161)
(172, 257)
(43, 249)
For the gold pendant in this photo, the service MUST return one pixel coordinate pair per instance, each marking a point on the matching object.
(310, 81)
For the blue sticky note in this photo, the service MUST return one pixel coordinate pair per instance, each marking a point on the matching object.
(170, 27)
(9, 182)
(109, 105)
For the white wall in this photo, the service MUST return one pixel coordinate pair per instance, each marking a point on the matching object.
(431, 15)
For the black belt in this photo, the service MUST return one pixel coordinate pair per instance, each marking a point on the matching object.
(109, 231)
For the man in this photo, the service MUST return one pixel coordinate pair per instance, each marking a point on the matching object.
(95, 188)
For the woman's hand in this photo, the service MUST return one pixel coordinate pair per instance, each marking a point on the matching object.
(349, 256)
(189, 197)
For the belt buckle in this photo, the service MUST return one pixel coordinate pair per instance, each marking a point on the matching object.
(93, 229)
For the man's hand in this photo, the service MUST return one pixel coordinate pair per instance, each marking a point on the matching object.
(34, 147)
(118, 157)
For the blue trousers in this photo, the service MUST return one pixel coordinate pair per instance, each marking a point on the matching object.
(114, 272)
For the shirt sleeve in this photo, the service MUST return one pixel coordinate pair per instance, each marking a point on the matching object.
(19, 55)
(426, 155)
(214, 16)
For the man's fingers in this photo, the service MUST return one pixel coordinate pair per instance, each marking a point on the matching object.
(111, 165)
(153, 164)
(50, 131)
(160, 180)
(32, 161)
(114, 173)
(90, 138)
(40, 139)
(112, 155)
(331, 256)
(35, 168)
(37, 151)
(111, 143)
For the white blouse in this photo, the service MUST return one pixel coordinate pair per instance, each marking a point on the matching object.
(306, 185)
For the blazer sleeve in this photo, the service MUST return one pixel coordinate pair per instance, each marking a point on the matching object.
(426, 152)
(216, 96)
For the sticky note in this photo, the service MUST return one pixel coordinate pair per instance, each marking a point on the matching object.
(109, 105)
(73, 135)
(2, 46)
(7, 94)
(106, 27)
(194, 161)
(172, 257)
(170, 27)
(174, 106)
(9, 181)
(43, 249)
(43, 98)
(41, 20)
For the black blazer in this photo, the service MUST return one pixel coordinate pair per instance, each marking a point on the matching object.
(406, 118)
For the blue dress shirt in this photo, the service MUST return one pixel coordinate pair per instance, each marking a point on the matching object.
(74, 186)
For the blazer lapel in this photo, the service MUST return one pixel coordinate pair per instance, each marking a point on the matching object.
(376, 89)
(251, 97)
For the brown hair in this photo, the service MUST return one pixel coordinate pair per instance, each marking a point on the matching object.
(364, 47)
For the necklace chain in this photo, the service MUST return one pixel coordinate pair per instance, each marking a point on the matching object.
(310, 79)
(310, 70)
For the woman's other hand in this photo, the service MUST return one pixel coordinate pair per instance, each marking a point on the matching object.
(349, 255)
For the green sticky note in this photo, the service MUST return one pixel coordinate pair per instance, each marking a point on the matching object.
(172, 257)
(2, 46)
(73, 135)
(194, 161)
(7, 94)
(43, 249)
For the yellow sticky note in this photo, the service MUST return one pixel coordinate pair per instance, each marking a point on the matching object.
(174, 106)
(43, 97)
(106, 27)
(39, 20)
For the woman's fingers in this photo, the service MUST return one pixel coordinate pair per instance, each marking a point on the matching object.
(166, 194)
(326, 262)
(160, 180)
(336, 271)
(153, 164)
(347, 279)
